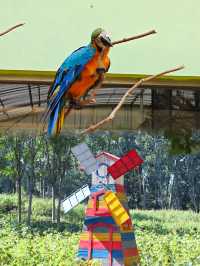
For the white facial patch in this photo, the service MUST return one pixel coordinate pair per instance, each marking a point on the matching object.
(104, 34)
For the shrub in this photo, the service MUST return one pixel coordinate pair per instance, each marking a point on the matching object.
(41, 207)
(8, 202)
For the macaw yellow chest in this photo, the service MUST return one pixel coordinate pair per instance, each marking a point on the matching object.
(89, 75)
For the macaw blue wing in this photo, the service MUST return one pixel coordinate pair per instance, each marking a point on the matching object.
(79, 57)
(66, 75)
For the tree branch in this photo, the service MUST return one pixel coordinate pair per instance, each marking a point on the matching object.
(11, 29)
(134, 37)
(128, 93)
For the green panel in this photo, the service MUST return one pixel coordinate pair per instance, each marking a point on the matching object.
(55, 28)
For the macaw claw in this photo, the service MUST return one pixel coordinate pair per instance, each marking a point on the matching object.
(78, 104)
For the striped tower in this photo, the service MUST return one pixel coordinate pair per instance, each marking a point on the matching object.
(102, 238)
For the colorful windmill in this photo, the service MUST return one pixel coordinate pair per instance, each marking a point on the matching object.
(108, 233)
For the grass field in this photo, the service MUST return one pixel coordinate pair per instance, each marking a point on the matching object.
(163, 237)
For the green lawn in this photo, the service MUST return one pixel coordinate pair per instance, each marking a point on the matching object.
(163, 237)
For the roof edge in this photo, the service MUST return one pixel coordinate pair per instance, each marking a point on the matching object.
(108, 155)
(46, 77)
(50, 73)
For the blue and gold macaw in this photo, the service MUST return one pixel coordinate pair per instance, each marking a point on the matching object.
(80, 72)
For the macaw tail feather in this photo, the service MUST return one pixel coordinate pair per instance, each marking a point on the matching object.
(60, 121)
(56, 119)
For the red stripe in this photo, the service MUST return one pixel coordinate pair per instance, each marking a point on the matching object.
(119, 188)
(98, 193)
(130, 252)
(101, 224)
(100, 212)
(96, 211)
(100, 245)
(110, 246)
(127, 225)
(91, 242)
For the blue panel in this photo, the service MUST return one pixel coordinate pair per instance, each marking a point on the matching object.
(127, 236)
(100, 253)
(105, 229)
(97, 253)
(82, 253)
(129, 244)
(117, 254)
(96, 188)
(92, 220)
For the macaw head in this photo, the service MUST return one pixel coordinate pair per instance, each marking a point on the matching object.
(101, 38)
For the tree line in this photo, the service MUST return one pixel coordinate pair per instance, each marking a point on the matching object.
(45, 167)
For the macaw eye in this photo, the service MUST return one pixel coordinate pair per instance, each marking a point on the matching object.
(106, 42)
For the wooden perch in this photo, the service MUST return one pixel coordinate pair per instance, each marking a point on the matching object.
(11, 29)
(128, 93)
(134, 37)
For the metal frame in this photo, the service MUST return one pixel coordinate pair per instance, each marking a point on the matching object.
(23, 91)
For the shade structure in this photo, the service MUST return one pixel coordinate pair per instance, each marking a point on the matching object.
(163, 103)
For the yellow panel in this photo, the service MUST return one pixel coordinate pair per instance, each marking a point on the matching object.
(119, 211)
(114, 205)
(111, 199)
(100, 204)
(110, 196)
(100, 236)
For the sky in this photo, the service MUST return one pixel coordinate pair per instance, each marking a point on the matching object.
(55, 28)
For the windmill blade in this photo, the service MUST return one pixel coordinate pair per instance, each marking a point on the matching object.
(75, 198)
(85, 157)
(128, 162)
(117, 210)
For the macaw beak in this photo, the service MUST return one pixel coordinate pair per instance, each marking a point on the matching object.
(106, 39)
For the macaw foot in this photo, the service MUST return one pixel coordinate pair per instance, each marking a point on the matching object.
(78, 104)
(88, 101)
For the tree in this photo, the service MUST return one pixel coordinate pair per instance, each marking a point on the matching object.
(30, 170)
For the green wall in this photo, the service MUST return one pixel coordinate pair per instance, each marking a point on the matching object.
(54, 28)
